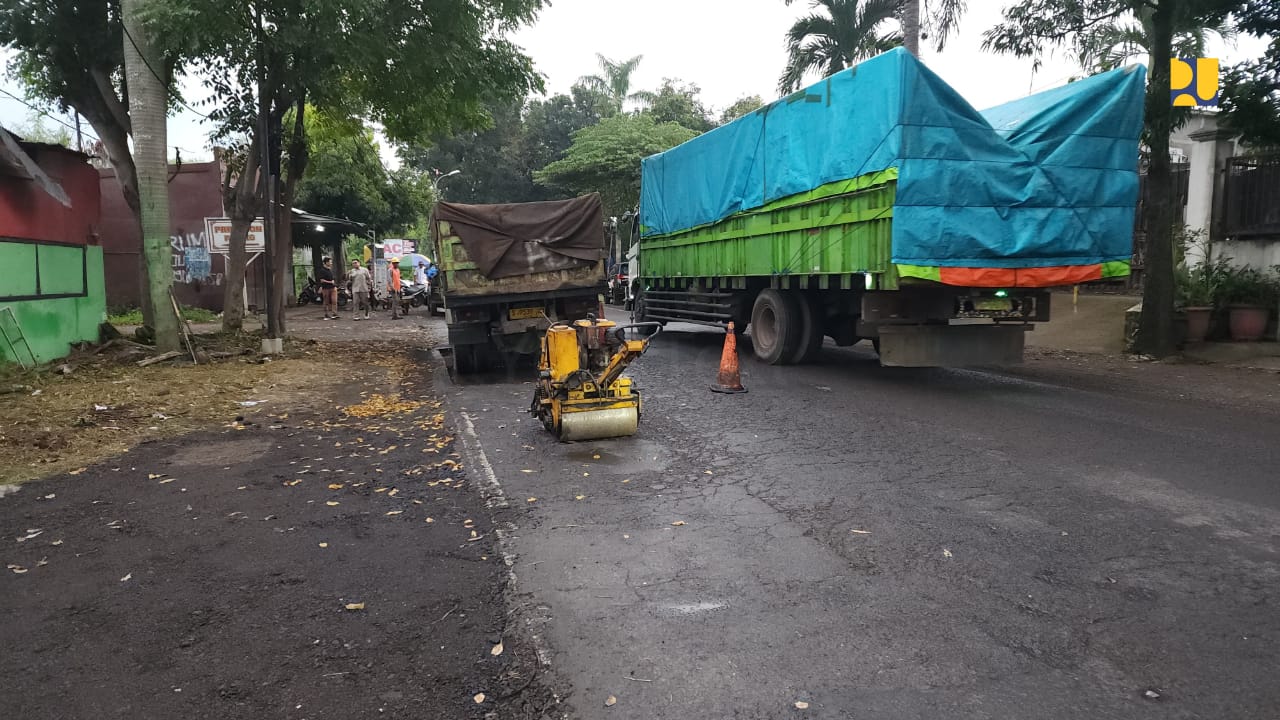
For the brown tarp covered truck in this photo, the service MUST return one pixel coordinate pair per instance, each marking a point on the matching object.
(510, 270)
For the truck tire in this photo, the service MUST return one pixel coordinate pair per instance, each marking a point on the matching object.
(809, 343)
(642, 317)
(775, 326)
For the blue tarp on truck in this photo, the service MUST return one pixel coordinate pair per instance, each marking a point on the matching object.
(1043, 182)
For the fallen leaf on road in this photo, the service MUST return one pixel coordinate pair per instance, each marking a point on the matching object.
(42, 562)
(626, 537)
(393, 493)
(528, 471)
(331, 503)
(532, 499)
(479, 698)
(417, 502)
(802, 705)
(56, 542)
(291, 483)
(17, 569)
(355, 606)
(127, 578)
(595, 457)
(395, 512)
(169, 480)
(31, 532)
(335, 486)
(77, 471)
(381, 490)
(431, 520)
(678, 523)
(50, 496)
(473, 534)
(946, 553)
(706, 472)
(627, 480)
(579, 497)
(586, 474)
(324, 545)
(861, 532)
(610, 701)
(154, 476)
(496, 650)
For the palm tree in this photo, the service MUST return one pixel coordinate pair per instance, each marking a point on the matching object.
(614, 82)
(941, 18)
(1111, 44)
(849, 30)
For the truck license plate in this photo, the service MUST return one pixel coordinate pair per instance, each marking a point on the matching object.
(524, 313)
(993, 304)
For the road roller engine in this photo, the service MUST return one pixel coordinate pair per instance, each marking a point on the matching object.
(581, 394)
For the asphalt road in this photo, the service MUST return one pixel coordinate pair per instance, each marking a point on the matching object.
(1074, 538)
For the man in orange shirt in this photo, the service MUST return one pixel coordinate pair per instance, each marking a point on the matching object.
(393, 281)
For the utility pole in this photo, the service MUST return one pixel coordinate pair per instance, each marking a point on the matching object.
(148, 104)
(272, 343)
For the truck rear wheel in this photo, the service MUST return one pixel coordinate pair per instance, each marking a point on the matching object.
(809, 342)
(775, 326)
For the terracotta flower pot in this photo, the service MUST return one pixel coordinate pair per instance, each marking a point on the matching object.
(1248, 322)
(1198, 323)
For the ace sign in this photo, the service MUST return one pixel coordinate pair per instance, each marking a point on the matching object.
(397, 248)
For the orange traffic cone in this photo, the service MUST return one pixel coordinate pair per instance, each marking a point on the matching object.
(729, 381)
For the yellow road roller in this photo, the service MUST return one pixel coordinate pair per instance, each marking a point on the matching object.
(581, 394)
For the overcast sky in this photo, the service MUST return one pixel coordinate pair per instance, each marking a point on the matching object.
(729, 48)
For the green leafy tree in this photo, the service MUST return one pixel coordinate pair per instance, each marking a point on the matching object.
(549, 125)
(741, 106)
(345, 177)
(1032, 27)
(415, 67)
(614, 82)
(1251, 90)
(678, 102)
(605, 158)
(835, 36)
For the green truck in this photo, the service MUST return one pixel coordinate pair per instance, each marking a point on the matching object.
(878, 205)
(508, 271)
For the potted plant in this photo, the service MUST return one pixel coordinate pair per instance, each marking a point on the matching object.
(1249, 296)
(1196, 288)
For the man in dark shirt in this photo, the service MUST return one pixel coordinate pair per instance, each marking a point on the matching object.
(328, 289)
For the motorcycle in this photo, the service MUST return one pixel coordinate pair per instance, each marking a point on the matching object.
(413, 295)
(311, 295)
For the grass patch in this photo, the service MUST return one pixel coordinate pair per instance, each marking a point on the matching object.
(133, 316)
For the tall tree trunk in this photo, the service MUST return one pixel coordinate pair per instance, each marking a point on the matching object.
(284, 225)
(910, 10)
(242, 207)
(1155, 327)
(148, 103)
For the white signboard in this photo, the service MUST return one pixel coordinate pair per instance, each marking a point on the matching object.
(397, 248)
(219, 234)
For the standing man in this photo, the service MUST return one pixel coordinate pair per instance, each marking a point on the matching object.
(420, 274)
(328, 289)
(393, 281)
(361, 286)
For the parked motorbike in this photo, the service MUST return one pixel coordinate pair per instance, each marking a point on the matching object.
(310, 295)
(413, 295)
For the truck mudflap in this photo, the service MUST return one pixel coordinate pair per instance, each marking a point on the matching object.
(951, 345)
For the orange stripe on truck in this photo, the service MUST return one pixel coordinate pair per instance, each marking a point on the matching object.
(1020, 277)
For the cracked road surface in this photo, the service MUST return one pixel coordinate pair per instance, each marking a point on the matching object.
(1079, 537)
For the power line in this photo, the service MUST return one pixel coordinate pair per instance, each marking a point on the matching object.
(49, 115)
(156, 75)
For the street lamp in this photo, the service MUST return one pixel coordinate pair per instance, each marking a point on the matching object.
(435, 183)
(435, 198)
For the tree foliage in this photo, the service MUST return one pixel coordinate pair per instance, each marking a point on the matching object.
(1251, 90)
(345, 178)
(605, 158)
(36, 130)
(835, 36)
(741, 106)
(677, 102)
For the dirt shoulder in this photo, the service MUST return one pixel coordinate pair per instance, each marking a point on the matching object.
(325, 557)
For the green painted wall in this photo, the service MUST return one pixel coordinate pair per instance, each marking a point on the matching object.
(51, 325)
